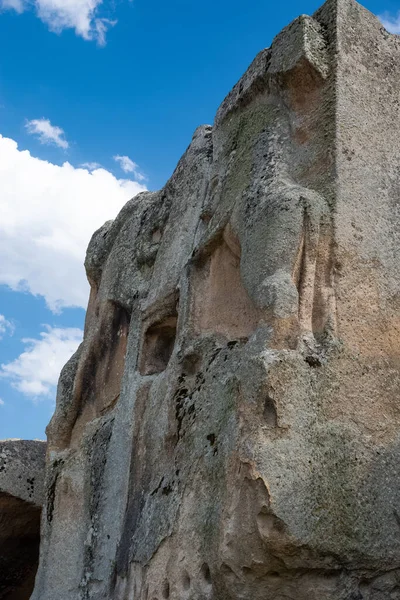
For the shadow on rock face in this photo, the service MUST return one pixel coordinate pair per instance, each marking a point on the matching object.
(19, 547)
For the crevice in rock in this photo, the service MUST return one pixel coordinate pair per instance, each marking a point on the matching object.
(206, 573)
(270, 413)
(158, 345)
(166, 590)
(20, 538)
(186, 583)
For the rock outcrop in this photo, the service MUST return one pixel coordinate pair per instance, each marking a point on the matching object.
(230, 426)
(22, 469)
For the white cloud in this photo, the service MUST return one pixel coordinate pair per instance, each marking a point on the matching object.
(6, 327)
(90, 166)
(2, 403)
(48, 214)
(128, 166)
(391, 22)
(17, 5)
(80, 15)
(36, 371)
(101, 26)
(48, 133)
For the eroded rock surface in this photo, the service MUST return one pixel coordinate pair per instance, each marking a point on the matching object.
(229, 428)
(22, 471)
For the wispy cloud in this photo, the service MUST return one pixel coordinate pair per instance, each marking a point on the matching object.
(17, 5)
(48, 133)
(81, 15)
(129, 166)
(391, 22)
(100, 28)
(6, 327)
(2, 403)
(90, 166)
(36, 371)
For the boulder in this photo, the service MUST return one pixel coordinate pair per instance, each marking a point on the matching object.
(22, 471)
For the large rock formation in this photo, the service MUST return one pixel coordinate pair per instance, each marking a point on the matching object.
(229, 428)
(22, 467)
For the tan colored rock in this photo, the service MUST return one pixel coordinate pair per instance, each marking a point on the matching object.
(22, 470)
(229, 428)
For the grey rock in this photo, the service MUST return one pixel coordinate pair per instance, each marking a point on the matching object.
(229, 428)
(22, 471)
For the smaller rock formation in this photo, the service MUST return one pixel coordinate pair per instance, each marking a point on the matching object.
(22, 469)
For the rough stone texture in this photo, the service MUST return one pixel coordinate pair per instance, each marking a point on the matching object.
(229, 428)
(22, 470)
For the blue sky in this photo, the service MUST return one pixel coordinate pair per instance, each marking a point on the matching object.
(98, 100)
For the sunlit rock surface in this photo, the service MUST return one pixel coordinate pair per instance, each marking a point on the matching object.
(229, 428)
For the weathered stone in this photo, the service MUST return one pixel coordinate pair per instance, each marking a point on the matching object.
(22, 469)
(229, 427)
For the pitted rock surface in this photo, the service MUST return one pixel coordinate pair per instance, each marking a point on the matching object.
(229, 428)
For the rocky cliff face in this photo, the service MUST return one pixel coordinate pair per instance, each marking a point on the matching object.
(229, 427)
(22, 466)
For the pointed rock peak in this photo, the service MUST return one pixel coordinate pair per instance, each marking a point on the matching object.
(341, 9)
